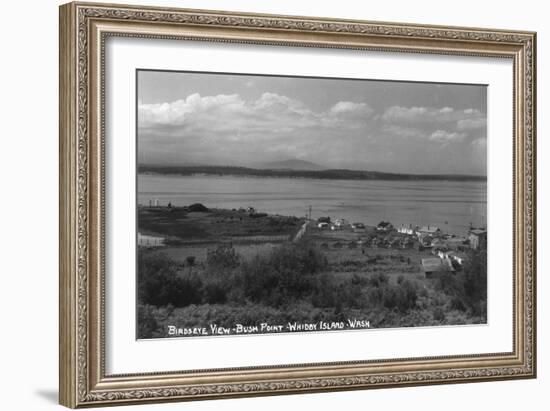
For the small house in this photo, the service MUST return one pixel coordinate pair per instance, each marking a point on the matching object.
(405, 230)
(441, 252)
(435, 266)
(148, 241)
(358, 226)
(340, 223)
(478, 239)
(456, 243)
(430, 230)
(438, 243)
(425, 240)
(459, 258)
(384, 226)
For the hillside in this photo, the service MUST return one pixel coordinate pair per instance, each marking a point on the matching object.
(342, 174)
(292, 164)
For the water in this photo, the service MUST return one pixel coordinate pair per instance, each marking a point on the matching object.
(451, 205)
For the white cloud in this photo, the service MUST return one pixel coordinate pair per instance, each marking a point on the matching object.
(271, 111)
(472, 111)
(399, 114)
(351, 107)
(276, 101)
(405, 132)
(179, 111)
(229, 126)
(442, 136)
(471, 123)
(231, 130)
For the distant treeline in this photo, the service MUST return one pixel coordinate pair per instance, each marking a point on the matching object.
(333, 174)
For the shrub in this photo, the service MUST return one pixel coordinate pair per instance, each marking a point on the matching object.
(324, 291)
(284, 275)
(468, 288)
(343, 294)
(298, 257)
(378, 279)
(156, 279)
(222, 256)
(198, 207)
(256, 278)
(359, 280)
(474, 282)
(448, 283)
(160, 284)
(438, 314)
(402, 297)
(146, 322)
(407, 296)
(258, 215)
(215, 292)
(457, 303)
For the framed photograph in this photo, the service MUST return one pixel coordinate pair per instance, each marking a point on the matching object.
(259, 204)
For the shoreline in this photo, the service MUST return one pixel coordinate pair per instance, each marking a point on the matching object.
(262, 232)
(329, 174)
(447, 227)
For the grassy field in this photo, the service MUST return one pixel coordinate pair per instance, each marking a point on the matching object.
(226, 267)
(181, 226)
(192, 234)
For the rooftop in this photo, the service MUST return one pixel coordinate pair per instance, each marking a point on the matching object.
(429, 229)
(435, 264)
(478, 231)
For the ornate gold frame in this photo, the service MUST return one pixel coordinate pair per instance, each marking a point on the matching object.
(83, 30)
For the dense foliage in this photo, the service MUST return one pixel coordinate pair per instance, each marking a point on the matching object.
(294, 282)
(468, 287)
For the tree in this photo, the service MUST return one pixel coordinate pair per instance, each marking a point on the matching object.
(474, 281)
(190, 262)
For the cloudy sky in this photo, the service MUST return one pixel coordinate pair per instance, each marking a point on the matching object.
(220, 119)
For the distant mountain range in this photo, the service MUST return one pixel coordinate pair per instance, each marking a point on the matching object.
(283, 169)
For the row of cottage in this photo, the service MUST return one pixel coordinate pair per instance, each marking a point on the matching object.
(477, 237)
(448, 250)
(432, 236)
(428, 236)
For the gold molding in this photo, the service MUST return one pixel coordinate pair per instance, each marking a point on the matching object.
(83, 29)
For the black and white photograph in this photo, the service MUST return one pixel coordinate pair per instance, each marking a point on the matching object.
(276, 204)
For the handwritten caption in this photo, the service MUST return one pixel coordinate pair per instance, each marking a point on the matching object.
(264, 328)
